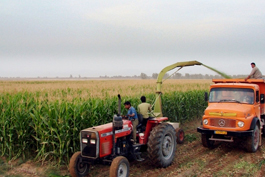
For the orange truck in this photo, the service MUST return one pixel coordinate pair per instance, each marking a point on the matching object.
(236, 111)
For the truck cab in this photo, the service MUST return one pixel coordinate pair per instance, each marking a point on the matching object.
(235, 111)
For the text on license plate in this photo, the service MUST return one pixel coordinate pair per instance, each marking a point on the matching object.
(221, 132)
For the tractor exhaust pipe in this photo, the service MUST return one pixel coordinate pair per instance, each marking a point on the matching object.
(119, 107)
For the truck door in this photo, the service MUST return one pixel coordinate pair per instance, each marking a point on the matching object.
(257, 104)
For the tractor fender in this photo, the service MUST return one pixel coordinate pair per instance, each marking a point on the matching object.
(174, 124)
(254, 122)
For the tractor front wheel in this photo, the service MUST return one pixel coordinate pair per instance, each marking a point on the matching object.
(119, 167)
(161, 145)
(77, 167)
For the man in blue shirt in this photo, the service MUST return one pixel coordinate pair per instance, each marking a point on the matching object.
(132, 116)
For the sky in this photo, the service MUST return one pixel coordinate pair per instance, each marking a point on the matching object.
(116, 37)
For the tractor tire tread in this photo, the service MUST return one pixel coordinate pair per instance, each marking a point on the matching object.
(154, 144)
(115, 166)
(72, 165)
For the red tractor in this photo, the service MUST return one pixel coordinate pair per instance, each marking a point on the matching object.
(111, 143)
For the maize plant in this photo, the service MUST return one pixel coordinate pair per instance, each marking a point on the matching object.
(45, 124)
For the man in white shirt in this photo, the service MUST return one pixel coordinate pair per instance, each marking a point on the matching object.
(255, 73)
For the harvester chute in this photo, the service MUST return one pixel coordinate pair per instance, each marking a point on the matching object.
(158, 104)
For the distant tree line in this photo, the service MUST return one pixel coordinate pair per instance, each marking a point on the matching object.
(141, 76)
(176, 76)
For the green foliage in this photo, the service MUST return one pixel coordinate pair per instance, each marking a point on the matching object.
(190, 137)
(53, 172)
(3, 167)
(181, 106)
(246, 168)
(33, 125)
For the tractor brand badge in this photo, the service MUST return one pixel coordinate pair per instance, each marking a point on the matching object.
(221, 122)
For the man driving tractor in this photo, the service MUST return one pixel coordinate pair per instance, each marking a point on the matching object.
(132, 116)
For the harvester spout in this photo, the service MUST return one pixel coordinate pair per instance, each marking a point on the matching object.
(158, 103)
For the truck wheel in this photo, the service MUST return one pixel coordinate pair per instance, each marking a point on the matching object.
(77, 167)
(161, 145)
(180, 135)
(206, 142)
(252, 142)
(119, 167)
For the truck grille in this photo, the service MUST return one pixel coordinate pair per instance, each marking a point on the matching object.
(216, 122)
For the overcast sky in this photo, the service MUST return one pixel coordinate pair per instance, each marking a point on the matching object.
(116, 37)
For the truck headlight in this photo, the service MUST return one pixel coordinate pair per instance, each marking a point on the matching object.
(205, 121)
(241, 124)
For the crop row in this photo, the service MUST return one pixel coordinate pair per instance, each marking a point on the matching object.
(32, 126)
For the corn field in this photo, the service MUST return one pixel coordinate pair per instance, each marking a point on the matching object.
(44, 124)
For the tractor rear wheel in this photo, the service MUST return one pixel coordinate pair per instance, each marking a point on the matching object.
(77, 167)
(206, 142)
(161, 145)
(252, 142)
(180, 135)
(119, 167)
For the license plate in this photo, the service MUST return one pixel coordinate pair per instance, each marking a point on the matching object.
(221, 132)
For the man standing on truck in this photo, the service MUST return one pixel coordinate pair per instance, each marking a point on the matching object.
(143, 109)
(255, 73)
(132, 116)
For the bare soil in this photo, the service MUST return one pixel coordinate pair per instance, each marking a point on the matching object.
(192, 159)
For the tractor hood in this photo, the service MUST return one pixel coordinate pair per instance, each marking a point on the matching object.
(228, 110)
(106, 129)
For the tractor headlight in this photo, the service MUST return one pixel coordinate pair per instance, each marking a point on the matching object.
(84, 140)
(205, 121)
(241, 124)
(92, 141)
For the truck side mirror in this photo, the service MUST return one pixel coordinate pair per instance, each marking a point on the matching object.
(205, 96)
(261, 98)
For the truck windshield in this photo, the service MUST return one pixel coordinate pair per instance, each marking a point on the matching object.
(239, 95)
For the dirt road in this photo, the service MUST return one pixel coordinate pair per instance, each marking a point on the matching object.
(192, 159)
